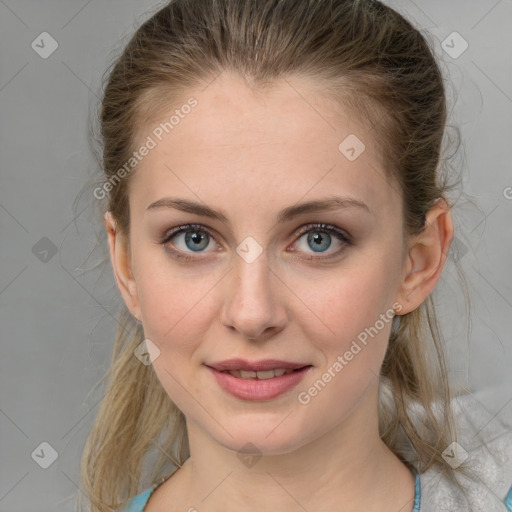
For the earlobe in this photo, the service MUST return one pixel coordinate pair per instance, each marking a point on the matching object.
(426, 257)
(120, 259)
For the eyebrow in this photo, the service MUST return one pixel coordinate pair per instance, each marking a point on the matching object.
(287, 214)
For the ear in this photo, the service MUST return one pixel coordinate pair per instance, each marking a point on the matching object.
(121, 263)
(426, 256)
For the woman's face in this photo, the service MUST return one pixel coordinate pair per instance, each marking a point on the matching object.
(255, 285)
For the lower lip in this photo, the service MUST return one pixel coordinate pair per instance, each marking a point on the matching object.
(256, 389)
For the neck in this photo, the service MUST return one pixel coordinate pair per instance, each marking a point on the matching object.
(347, 468)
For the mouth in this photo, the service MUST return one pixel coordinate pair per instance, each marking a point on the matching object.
(258, 380)
(260, 375)
(262, 370)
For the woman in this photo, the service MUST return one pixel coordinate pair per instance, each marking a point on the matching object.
(277, 222)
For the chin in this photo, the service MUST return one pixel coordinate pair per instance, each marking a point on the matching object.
(267, 438)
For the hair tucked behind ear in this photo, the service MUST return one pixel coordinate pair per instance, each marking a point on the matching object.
(378, 67)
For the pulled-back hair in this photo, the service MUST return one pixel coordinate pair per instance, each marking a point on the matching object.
(382, 70)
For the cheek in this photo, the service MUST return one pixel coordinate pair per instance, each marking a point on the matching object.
(356, 306)
(347, 302)
(173, 303)
(175, 319)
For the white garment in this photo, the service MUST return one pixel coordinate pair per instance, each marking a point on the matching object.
(487, 439)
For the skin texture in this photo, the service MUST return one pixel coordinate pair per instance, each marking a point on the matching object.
(252, 154)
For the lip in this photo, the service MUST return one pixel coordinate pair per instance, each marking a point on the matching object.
(255, 366)
(256, 389)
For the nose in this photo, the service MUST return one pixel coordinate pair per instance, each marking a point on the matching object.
(253, 300)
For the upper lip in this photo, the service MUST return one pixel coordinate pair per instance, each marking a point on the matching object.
(255, 366)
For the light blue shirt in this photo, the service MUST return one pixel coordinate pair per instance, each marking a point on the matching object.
(138, 503)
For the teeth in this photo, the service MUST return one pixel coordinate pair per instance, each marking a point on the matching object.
(268, 374)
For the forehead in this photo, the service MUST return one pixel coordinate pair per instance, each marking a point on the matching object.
(281, 143)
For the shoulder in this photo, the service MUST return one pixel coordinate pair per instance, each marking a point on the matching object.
(138, 503)
(484, 444)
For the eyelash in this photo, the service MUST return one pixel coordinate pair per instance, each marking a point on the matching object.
(326, 228)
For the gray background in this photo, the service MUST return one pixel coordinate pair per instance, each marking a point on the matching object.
(58, 302)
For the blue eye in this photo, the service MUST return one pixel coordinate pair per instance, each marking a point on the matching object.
(319, 238)
(197, 238)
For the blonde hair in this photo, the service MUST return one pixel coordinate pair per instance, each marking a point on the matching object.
(377, 65)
